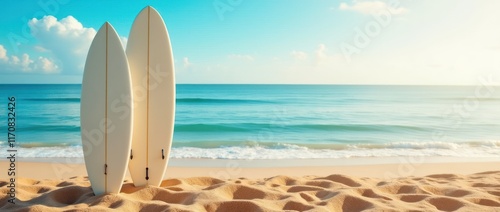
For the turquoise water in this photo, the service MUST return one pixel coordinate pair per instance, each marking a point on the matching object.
(284, 121)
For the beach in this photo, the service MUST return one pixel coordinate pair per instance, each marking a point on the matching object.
(352, 105)
(243, 185)
(274, 148)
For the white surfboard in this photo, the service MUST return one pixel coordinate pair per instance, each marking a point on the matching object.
(152, 69)
(106, 101)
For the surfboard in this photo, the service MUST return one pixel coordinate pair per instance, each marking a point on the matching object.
(106, 112)
(152, 70)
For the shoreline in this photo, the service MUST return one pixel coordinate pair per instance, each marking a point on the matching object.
(256, 163)
(225, 169)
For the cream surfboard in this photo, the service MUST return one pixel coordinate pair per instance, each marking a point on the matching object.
(152, 70)
(106, 112)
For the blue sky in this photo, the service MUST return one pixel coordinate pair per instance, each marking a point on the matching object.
(261, 41)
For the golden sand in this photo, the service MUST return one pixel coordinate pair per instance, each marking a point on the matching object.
(443, 192)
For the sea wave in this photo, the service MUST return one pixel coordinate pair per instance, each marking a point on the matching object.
(341, 146)
(178, 100)
(53, 99)
(220, 101)
(294, 151)
(482, 99)
(246, 153)
(50, 152)
(50, 128)
(252, 127)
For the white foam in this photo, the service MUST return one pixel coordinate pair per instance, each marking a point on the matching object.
(304, 153)
(291, 151)
(50, 152)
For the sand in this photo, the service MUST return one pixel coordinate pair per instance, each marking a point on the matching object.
(345, 188)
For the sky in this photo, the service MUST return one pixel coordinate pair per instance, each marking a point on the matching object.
(448, 42)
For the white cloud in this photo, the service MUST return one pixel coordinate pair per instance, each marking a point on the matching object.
(243, 57)
(3, 54)
(372, 7)
(65, 42)
(46, 65)
(66, 39)
(25, 63)
(318, 56)
(62, 43)
(298, 55)
(186, 62)
(15, 59)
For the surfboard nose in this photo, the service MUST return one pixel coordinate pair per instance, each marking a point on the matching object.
(149, 7)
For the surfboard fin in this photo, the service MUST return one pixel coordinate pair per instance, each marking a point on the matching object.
(131, 155)
(162, 155)
(147, 172)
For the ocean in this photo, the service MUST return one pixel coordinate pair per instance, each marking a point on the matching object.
(282, 121)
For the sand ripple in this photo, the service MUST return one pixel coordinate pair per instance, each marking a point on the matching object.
(445, 192)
